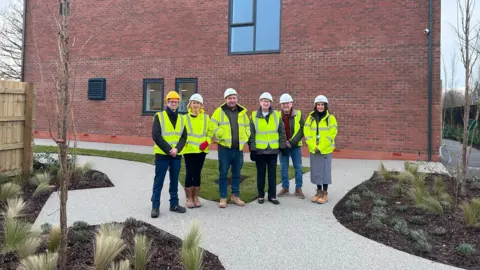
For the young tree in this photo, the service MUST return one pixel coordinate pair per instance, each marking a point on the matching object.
(11, 40)
(468, 35)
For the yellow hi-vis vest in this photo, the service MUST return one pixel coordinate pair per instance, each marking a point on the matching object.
(266, 133)
(198, 131)
(170, 135)
(222, 130)
(325, 140)
(298, 116)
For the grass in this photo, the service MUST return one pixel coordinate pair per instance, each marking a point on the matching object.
(209, 189)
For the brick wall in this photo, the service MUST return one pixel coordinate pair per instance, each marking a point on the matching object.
(370, 58)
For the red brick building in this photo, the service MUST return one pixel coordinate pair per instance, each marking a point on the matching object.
(370, 58)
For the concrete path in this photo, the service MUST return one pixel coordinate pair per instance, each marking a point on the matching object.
(296, 234)
(455, 149)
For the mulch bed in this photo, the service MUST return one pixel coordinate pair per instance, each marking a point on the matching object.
(443, 242)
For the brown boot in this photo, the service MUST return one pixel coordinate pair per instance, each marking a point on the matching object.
(324, 198)
(283, 192)
(317, 196)
(222, 203)
(196, 200)
(299, 193)
(188, 194)
(236, 200)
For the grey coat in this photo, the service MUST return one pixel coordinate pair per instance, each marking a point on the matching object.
(281, 132)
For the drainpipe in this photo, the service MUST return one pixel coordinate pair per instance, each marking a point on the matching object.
(430, 49)
(23, 39)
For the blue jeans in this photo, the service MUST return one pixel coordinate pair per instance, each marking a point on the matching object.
(296, 155)
(161, 167)
(226, 158)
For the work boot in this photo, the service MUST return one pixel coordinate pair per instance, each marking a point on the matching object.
(299, 193)
(178, 209)
(283, 192)
(317, 196)
(324, 198)
(236, 200)
(195, 194)
(222, 203)
(188, 194)
(155, 213)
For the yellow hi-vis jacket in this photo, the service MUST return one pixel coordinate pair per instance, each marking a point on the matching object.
(199, 130)
(223, 132)
(170, 135)
(320, 137)
(266, 133)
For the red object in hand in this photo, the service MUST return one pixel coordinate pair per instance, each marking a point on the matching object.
(203, 146)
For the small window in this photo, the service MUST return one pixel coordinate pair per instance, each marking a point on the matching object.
(152, 95)
(186, 88)
(97, 88)
(254, 26)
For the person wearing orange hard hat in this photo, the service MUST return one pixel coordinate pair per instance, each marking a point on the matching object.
(170, 136)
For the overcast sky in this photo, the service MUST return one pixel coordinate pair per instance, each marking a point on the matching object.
(449, 42)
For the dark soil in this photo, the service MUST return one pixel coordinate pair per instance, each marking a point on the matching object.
(165, 249)
(443, 244)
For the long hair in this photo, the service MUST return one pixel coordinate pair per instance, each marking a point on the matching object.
(189, 106)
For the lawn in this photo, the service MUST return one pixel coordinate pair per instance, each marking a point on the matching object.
(209, 188)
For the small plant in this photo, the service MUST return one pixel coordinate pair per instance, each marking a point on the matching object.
(352, 204)
(110, 229)
(475, 185)
(4, 179)
(439, 231)
(45, 261)
(432, 205)
(15, 232)
(401, 228)
(46, 227)
(411, 167)
(417, 220)
(83, 169)
(80, 231)
(374, 224)
(379, 202)
(387, 175)
(402, 208)
(120, 265)
(28, 247)
(471, 212)
(14, 208)
(358, 215)
(54, 239)
(42, 182)
(355, 197)
(369, 194)
(362, 187)
(142, 251)
(131, 222)
(108, 245)
(464, 249)
(191, 254)
(80, 225)
(419, 237)
(9, 191)
(379, 213)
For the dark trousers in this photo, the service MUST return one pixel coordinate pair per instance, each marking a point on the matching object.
(161, 167)
(193, 166)
(263, 163)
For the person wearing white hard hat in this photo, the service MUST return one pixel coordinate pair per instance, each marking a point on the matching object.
(293, 122)
(231, 130)
(267, 139)
(199, 137)
(320, 131)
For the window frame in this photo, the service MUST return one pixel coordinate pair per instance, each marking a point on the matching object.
(146, 81)
(178, 81)
(253, 23)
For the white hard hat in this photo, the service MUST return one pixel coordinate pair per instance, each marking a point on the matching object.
(196, 97)
(321, 98)
(229, 92)
(286, 98)
(266, 95)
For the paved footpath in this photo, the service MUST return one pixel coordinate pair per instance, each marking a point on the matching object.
(297, 234)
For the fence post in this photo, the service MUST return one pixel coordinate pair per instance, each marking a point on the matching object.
(28, 129)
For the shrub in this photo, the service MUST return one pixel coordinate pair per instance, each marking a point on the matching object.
(15, 232)
(4, 179)
(80, 231)
(142, 251)
(417, 220)
(191, 254)
(42, 183)
(379, 213)
(14, 208)
(411, 167)
(28, 247)
(374, 224)
(379, 202)
(362, 188)
(9, 191)
(465, 249)
(439, 231)
(110, 229)
(401, 228)
(107, 246)
(42, 261)
(79, 225)
(358, 215)
(81, 170)
(46, 227)
(432, 205)
(352, 204)
(471, 212)
(131, 222)
(355, 197)
(402, 208)
(421, 242)
(120, 265)
(369, 194)
(387, 175)
(54, 239)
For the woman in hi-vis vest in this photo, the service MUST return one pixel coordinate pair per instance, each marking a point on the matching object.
(320, 131)
(199, 137)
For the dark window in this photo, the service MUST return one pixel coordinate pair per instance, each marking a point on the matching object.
(152, 95)
(97, 88)
(254, 26)
(185, 87)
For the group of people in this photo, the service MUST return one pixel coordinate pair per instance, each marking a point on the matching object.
(267, 132)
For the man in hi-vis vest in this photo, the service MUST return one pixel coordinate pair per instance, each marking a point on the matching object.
(232, 130)
(169, 135)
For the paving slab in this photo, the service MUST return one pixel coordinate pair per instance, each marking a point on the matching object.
(296, 234)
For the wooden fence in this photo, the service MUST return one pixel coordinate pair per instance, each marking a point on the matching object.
(17, 122)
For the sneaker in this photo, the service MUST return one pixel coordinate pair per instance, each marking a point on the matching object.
(274, 201)
(155, 213)
(317, 196)
(222, 203)
(178, 209)
(299, 193)
(237, 201)
(283, 192)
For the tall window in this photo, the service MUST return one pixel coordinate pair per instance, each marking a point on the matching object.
(185, 87)
(254, 26)
(152, 95)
